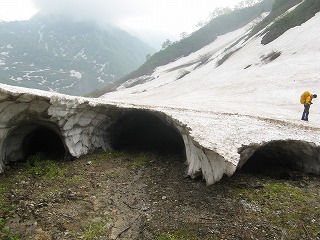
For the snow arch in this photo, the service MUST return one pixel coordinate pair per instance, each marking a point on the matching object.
(145, 130)
(213, 142)
(157, 131)
(31, 137)
(288, 154)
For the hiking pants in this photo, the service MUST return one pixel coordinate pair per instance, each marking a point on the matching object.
(305, 113)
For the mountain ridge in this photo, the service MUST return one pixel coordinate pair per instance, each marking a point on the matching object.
(219, 25)
(283, 15)
(60, 55)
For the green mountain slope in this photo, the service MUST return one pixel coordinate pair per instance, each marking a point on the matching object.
(283, 15)
(204, 36)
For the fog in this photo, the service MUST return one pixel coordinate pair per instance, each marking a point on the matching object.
(101, 11)
(151, 20)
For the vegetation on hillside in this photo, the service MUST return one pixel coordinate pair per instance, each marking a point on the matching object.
(284, 14)
(278, 8)
(302, 13)
(219, 25)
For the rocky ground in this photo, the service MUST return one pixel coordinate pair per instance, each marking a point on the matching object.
(119, 195)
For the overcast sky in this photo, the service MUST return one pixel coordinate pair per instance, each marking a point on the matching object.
(140, 17)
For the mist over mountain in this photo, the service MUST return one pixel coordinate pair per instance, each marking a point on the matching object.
(222, 24)
(65, 56)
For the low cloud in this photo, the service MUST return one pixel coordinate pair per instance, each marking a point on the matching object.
(143, 18)
(100, 11)
(154, 14)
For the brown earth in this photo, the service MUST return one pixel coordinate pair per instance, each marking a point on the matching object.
(148, 196)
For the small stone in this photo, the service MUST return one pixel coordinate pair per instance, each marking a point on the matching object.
(148, 217)
(144, 208)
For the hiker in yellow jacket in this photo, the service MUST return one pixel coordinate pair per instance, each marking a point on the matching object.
(306, 100)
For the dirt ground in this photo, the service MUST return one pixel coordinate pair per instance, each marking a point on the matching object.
(148, 196)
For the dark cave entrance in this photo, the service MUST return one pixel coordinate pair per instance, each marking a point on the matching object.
(34, 137)
(45, 141)
(284, 159)
(139, 130)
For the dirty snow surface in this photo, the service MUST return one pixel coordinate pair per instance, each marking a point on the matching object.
(248, 99)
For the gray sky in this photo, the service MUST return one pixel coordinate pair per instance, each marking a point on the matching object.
(144, 18)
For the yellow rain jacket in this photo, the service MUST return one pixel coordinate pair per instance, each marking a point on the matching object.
(306, 98)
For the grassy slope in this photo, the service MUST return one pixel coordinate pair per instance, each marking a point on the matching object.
(302, 13)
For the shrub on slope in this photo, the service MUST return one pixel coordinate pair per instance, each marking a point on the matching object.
(302, 13)
(204, 36)
(278, 8)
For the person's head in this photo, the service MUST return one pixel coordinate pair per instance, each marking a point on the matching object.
(314, 95)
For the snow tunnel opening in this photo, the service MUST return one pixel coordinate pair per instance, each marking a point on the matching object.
(44, 141)
(284, 160)
(140, 130)
(33, 137)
